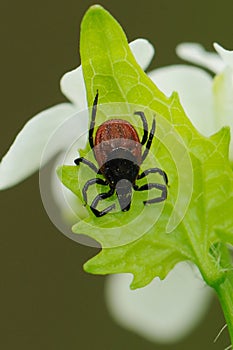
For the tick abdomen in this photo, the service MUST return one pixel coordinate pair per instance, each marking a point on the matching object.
(113, 135)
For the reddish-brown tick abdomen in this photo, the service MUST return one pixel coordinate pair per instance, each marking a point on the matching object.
(116, 134)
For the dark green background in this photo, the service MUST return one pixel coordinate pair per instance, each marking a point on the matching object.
(46, 300)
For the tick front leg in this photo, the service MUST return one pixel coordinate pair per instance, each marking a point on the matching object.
(87, 162)
(151, 171)
(89, 183)
(93, 116)
(147, 187)
(149, 141)
(98, 198)
(145, 126)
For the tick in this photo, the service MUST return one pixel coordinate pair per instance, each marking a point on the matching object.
(118, 152)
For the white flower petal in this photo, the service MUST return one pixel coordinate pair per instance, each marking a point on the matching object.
(72, 83)
(62, 206)
(143, 52)
(226, 55)
(164, 311)
(223, 93)
(73, 135)
(195, 53)
(66, 201)
(195, 90)
(23, 157)
(73, 87)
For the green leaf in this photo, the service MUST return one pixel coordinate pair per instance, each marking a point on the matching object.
(68, 175)
(148, 241)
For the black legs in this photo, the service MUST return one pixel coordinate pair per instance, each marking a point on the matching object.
(149, 141)
(87, 162)
(93, 116)
(154, 170)
(146, 187)
(145, 126)
(161, 187)
(145, 135)
(100, 197)
(89, 183)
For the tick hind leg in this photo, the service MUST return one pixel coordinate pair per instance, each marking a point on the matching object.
(98, 198)
(149, 186)
(90, 183)
(153, 171)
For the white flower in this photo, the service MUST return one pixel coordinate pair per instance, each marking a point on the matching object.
(24, 155)
(207, 101)
(164, 311)
(156, 311)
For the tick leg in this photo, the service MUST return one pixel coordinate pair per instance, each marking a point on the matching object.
(149, 141)
(145, 126)
(92, 125)
(147, 187)
(87, 162)
(89, 183)
(153, 170)
(99, 197)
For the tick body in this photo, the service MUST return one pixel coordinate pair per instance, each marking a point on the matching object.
(119, 155)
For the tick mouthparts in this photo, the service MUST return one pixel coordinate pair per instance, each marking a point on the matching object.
(124, 194)
(126, 208)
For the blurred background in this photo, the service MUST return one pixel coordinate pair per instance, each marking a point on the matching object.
(46, 300)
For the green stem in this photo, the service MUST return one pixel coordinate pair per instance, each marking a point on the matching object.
(224, 288)
(225, 294)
